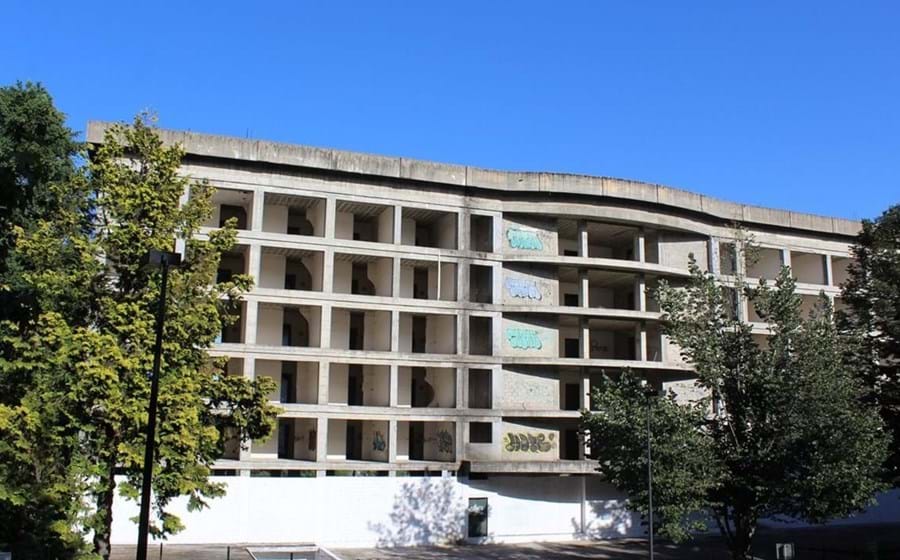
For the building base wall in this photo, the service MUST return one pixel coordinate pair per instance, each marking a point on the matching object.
(395, 511)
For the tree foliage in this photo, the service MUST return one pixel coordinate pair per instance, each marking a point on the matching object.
(782, 432)
(872, 316)
(81, 366)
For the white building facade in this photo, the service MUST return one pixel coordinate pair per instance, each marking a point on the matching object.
(435, 330)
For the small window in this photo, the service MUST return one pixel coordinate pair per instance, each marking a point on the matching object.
(480, 432)
(478, 517)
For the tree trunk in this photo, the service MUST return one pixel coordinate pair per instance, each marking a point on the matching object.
(103, 526)
(742, 538)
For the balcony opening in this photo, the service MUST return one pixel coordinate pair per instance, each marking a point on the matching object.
(233, 331)
(361, 221)
(230, 443)
(570, 450)
(728, 263)
(363, 275)
(291, 269)
(288, 325)
(480, 432)
(359, 384)
(567, 230)
(480, 336)
(229, 211)
(288, 382)
(357, 330)
(481, 284)
(295, 328)
(765, 263)
(427, 333)
(654, 343)
(354, 440)
(612, 340)
(355, 385)
(808, 268)
(611, 241)
(611, 290)
(420, 387)
(571, 396)
(429, 228)
(294, 215)
(426, 441)
(232, 264)
(572, 348)
(840, 270)
(427, 279)
(481, 233)
(354, 329)
(480, 388)
(296, 439)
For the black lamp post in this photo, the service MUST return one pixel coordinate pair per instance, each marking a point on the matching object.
(650, 393)
(163, 260)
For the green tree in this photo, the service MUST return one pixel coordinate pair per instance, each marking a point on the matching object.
(782, 431)
(83, 363)
(38, 153)
(872, 316)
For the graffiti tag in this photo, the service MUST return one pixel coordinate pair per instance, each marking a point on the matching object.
(521, 288)
(378, 443)
(523, 239)
(524, 339)
(529, 443)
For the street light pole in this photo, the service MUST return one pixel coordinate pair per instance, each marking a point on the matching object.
(163, 260)
(650, 393)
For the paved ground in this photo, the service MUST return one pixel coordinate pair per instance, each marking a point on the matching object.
(871, 542)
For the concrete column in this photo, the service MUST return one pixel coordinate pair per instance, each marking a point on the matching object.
(398, 224)
(640, 249)
(328, 271)
(786, 257)
(585, 389)
(395, 331)
(394, 385)
(462, 384)
(463, 274)
(321, 439)
(584, 288)
(395, 277)
(499, 236)
(640, 292)
(585, 338)
(392, 441)
(713, 249)
(324, 374)
(254, 262)
(496, 385)
(251, 315)
(496, 334)
(330, 210)
(463, 221)
(583, 239)
(246, 452)
(256, 212)
(180, 244)
(829, 272)
(497, 281)
(462, 332)
(640, 342)
(325, 335)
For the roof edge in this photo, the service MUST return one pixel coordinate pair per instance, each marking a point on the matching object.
(327, 159)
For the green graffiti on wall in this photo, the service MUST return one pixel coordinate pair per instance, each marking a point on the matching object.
(529, 443)
(524, 239)
(524, 339)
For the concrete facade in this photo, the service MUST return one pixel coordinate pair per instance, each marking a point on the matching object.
(432, 318)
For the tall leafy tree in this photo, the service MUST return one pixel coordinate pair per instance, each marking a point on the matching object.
(872, 316)
(38, 154)
(782, 431)
(83, 363)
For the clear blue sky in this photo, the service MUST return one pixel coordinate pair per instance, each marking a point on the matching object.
(792, 104)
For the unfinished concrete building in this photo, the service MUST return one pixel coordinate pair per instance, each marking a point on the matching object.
(424, 319)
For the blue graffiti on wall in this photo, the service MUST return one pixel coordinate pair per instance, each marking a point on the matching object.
(378, 443)
(521, 288)
(522, 239)
(524, 339)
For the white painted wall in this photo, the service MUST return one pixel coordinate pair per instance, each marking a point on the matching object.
(447, 231)
(340, 329)
(338, 375)
(528, 390)
(343, 276)
(808, 268)
(441, 334)
(343, 225)
(275, 218)
(337, 441)
(675, 249)
(386, 225)
(376, 386)
(381, 274)
(270, 322)
(316, 216)
(271, 274)
(767, 265)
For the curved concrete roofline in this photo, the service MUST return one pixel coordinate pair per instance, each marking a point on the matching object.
(326, 159)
